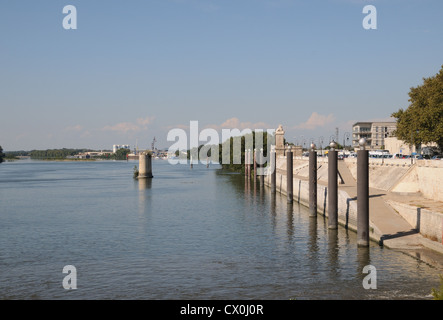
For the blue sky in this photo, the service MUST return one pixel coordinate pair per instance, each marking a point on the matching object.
(136, 69)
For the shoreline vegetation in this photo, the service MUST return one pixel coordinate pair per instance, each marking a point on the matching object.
(227, 149)
(64, 160)
(64, 154)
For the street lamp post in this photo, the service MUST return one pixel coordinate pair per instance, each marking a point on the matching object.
(332, 186)
(320, 140)
(345, 137)
(312, 181)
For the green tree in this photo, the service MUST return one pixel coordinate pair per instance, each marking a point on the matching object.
(422, 121)
(121, 154)
(1, 154)
(229, 147)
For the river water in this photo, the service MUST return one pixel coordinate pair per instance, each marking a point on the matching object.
(185, 234)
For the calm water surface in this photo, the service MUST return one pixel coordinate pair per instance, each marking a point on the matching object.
(185, 234)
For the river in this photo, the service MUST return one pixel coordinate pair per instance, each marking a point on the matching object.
(196, 233)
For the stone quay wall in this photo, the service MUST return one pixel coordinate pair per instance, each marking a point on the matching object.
(399, 176)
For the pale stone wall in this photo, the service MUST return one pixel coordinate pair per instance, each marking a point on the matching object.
(399, 175)
(428, 223)
(430, 178)
(425, 176)
(347, 206)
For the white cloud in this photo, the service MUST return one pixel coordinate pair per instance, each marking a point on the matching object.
(77, 127)
(315, 120)
(125, 127)
(235, 123)
(145, 121)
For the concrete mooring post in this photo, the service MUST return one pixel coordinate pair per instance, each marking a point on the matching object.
(312, 181)
(273, 169)
(246, 163)
(289, 175)
(262, 176)
(362, 195)
(255, 165)
(332, 187)
(249, 163)
(144, 166)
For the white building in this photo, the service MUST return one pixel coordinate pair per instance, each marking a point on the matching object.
(375, 133)
(395, 145)
(115, 147)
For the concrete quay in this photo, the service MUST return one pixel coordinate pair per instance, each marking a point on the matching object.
(404, 221)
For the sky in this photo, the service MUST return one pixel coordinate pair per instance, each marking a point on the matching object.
(136, 69)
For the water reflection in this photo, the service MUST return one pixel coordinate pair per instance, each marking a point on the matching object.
(363, 259)
(144, 184)
(333, 250)
(144, 201)
(313, 247)
(290, 221)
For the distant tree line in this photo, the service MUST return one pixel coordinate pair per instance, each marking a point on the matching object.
(228, 156)
(120, 154)
(2, 155)
(230, 146)
(55, 153)
(63, 153)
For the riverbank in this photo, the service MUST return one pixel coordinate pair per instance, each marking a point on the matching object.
(405, 221)
(65, 159)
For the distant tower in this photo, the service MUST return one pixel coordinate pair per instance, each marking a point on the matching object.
(279, 140)
(153, 145)
(336, 134)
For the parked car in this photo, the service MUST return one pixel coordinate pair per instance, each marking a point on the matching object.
(437, 157)
(353, 155)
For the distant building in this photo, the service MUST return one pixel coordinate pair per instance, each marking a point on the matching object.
(375, 133)
(115, 147)
(396, 146)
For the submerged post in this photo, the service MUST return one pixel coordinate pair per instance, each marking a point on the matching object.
(144, 165)
(362, 195)
(289, 175)
(332, 187)
(313, 181)
(273, 169)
